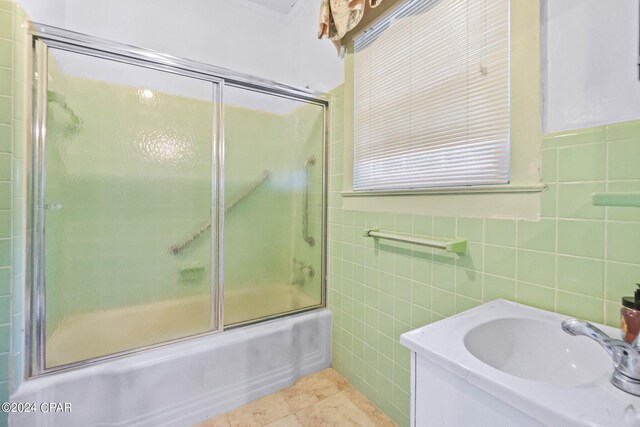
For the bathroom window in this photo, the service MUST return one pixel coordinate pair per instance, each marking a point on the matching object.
(432, 97)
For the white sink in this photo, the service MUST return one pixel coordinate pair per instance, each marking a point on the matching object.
(537, 350)
(515, 365)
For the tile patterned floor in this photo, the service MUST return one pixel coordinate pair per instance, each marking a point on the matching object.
(322, 399)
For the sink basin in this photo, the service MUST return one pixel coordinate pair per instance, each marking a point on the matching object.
(514, 365)
(538, 350)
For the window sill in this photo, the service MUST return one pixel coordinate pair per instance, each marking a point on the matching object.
(479, 189)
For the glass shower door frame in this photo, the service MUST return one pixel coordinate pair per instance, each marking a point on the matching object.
(43, 38)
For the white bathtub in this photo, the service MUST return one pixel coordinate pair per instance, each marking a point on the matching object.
(183, 383)
(82, 336)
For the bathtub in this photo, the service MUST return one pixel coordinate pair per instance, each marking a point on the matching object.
(183, 383)
(83, 336)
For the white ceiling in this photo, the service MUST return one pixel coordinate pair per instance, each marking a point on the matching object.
(280, 6)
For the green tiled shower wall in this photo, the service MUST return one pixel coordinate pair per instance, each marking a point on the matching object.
(577, 259)
(6, 160)
(11, 241)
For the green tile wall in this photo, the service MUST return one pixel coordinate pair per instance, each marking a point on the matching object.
(7, 118)
(16, 365)
(577, 260)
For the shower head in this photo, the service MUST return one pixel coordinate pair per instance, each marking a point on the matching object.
(310, 161)
(74, 124)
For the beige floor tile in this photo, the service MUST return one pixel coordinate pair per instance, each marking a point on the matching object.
(260, 412)
(309, 390)
(320, 400)
(288, 421)
(219, 421)
(378, 417)
(340, 382)
(336, 410)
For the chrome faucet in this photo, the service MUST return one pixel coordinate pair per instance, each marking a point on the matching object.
(626, 357)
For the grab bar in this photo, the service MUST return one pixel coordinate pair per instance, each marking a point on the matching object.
(457, 246)
(257, 183)
(305, 202)
(177, 248)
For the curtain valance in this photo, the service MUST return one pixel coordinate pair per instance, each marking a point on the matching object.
(337, 17)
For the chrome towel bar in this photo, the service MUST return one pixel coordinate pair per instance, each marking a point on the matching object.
(458, 246)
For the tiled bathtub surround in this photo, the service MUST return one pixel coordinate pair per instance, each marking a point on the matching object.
(11, 158)
(578, 259)
(6, 115)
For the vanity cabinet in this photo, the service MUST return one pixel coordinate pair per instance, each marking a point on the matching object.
(442, 398)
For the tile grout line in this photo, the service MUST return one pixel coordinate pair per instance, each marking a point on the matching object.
(12, 310)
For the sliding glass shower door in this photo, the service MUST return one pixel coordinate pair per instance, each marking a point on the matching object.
(158, 212)
(127, 206)
(273, 192)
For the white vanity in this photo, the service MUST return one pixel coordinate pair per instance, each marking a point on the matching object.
(506, 364)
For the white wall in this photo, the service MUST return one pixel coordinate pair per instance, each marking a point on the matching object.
(237, 34)
(53, 11)
(590, 51)
(591, 75)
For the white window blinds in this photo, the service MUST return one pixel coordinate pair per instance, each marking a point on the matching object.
(432, 96)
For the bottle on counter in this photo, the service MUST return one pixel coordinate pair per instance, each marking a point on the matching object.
(630, 316)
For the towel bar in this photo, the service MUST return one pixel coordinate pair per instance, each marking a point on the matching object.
(458, 246)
